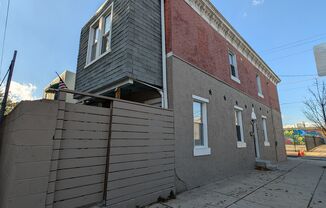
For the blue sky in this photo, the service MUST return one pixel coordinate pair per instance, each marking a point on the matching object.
(46, 35)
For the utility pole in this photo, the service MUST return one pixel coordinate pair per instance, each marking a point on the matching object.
(5, 97)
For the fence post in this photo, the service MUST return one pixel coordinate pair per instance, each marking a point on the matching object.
(56, 149)
(108, 151)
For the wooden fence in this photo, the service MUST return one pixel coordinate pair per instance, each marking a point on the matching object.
(123, 155)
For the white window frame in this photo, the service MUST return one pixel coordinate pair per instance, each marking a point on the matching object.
(234, 59)
(202, 150)
(264, 125)
(259, 86)
(100, 21)
(242, 143)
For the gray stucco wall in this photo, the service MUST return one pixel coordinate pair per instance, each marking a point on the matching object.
(225, 159)
(136, 47)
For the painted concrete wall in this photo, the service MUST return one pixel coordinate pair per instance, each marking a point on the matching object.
(25, 157)
(190, 37)
(226, 159)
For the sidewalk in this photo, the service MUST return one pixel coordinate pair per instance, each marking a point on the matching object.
(298, 183)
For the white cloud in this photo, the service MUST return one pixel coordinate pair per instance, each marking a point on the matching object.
(257, 2)
(22, 91)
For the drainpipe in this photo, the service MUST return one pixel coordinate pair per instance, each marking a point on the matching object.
(165, 92)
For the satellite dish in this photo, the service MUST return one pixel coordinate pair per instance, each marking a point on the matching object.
(320, 56)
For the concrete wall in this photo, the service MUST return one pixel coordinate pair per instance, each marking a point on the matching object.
(26, 148)
(136, 47)
(226, 159)
(54, 155)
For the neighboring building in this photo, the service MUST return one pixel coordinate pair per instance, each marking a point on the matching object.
(69, 78)
(320, 56)
(224, 96)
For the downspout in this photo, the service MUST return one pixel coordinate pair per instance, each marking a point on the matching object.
(164, 70)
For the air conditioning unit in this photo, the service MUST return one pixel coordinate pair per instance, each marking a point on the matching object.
(320, 56)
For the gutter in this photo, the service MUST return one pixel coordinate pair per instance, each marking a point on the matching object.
(164, 70)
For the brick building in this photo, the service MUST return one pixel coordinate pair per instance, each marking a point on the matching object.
(182, 54)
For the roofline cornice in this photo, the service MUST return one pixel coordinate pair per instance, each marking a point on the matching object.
(214, 18)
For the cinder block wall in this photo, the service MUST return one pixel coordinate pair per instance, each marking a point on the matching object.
(26, 148)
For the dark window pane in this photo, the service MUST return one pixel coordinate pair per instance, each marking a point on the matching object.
(93, 53)
(198, 134)
(238, 129)
(233, 72)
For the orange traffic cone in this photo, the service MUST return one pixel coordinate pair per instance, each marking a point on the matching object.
(301, 153)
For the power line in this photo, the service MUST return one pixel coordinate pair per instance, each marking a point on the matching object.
(4, 35)
(300, 102)
(293, 54)
(296, 43)
(299, 75)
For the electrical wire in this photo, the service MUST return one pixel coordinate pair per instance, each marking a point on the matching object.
(299, 75)
(296, 43)
(4, 35)
(290, 55)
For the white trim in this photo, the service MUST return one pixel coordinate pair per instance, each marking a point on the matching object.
(202, 151)
(264, 123)
(236, 79)
(98, 21)
(209, 13)
(267, 144)
(195, 97)
(241, 144)
(238, 108)
(164, 70)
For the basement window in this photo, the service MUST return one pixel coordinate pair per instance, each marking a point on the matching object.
(239, 127)
(234, 67)
(200, 126)
(100, 32)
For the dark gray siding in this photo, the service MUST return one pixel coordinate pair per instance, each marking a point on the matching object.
(136, 47)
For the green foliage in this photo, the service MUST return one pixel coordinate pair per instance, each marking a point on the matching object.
(10, 104)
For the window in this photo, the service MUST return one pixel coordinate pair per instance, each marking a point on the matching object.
(264, 122)
(239, 127)
(233, 67)
(100, 32)
(200, 126)
(260, 91)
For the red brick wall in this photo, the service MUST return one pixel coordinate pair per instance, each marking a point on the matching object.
(190, 37)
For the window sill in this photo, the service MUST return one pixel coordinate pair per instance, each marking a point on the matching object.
(95, 60)
(241, 144)
(260, 95)
(267, 144)
(202, 151)
(236, 79)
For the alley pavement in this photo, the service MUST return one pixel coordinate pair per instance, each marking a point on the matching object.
(297, 183)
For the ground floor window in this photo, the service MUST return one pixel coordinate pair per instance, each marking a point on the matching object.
(200, 126)
(264, 123)
(239, 127)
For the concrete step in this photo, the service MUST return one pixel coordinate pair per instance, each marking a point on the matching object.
(265, 164)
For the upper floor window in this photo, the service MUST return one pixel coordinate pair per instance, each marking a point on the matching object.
(234, 67)
(260, 90)
(200, 126)
(99, 42)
